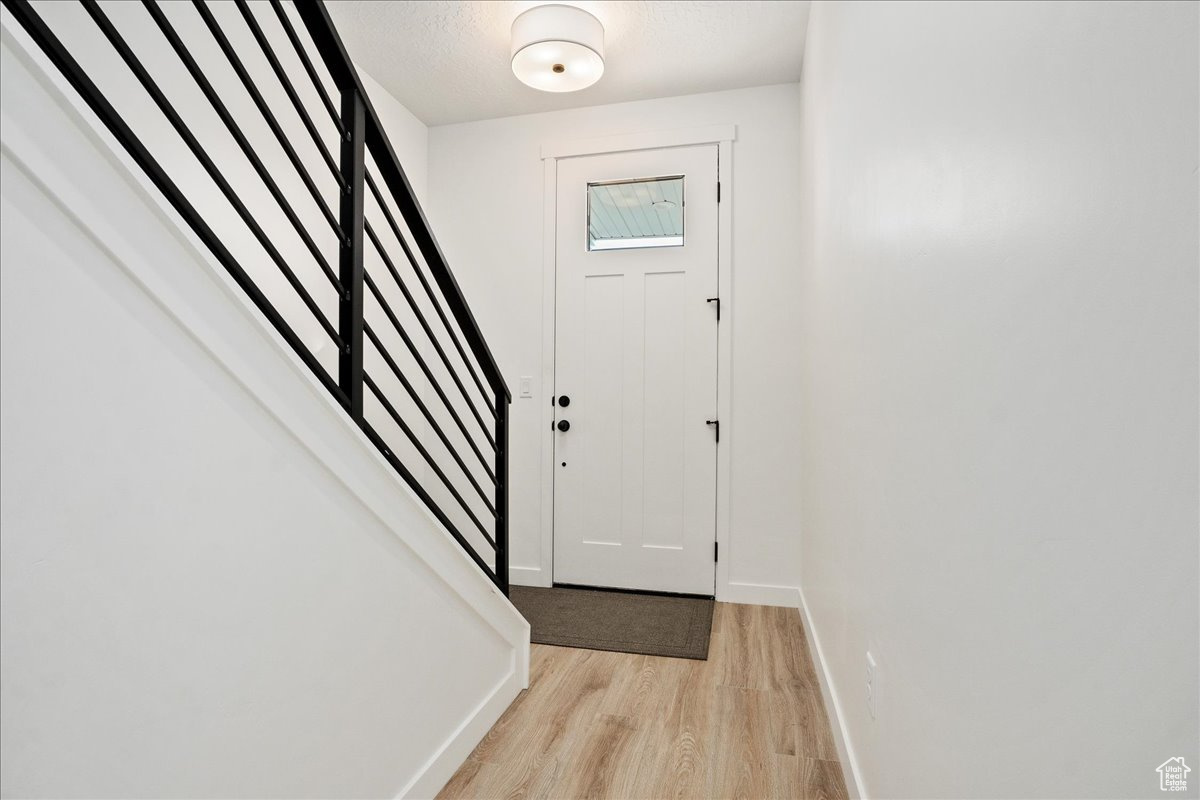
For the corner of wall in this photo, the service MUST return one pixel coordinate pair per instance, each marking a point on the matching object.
(833, 707)
(408, 134)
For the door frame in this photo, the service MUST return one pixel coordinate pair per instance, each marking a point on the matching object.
(723, 136)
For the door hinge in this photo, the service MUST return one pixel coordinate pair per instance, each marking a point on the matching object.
(715, 545)
(716, 300)
(718, 191)
(716, 426)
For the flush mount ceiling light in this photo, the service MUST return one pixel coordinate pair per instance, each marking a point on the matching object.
(557, 48)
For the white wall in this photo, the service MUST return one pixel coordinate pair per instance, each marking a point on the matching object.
(212, 584)
(999, 349)
(486, 191)
(408, 135)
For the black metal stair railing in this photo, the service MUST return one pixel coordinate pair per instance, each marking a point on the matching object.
(463, 458)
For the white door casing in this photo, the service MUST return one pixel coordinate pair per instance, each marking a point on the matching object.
(636, 352)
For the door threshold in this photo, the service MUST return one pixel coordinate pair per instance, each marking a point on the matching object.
(633, 591)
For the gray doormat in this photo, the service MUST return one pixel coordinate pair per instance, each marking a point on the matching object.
(651, 625)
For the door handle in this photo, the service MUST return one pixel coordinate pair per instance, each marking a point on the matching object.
(563, 425)
(564, 401)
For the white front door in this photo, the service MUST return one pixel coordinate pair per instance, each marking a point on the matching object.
(636, 370)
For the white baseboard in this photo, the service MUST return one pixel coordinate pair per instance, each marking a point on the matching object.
(757, 594)
(529, 576)
(442, 765)
(841, 736)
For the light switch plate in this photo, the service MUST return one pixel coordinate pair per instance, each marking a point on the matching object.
(526, 386)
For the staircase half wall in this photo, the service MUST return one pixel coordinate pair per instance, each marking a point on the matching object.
(213, 584)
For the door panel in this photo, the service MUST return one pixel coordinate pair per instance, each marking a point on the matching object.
(636, 351)
(664, 385)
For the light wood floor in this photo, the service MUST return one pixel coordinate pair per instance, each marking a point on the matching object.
(747, 723)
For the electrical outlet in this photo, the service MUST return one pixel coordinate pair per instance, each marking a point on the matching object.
(872, 684)
(526, 386)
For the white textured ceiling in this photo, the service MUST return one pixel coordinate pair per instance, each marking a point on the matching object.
(449, 61)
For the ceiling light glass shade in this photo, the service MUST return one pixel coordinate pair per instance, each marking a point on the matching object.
(557, 48)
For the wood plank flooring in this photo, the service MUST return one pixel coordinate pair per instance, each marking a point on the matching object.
(747, 723)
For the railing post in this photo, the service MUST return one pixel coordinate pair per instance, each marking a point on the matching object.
(502, 492)
(350, 262)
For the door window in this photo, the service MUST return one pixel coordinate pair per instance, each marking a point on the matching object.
(647, 212)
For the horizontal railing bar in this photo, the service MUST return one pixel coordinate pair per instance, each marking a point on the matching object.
(391, 268)
(198, 75)
(416, 443)
(412, 349)
(108, 115)
(290, 90)
(268, 115)
(308, 67)
(416, 398)
(164, 105)
(424, 496)
(423, 236)
(337, 61)
(391, 221)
